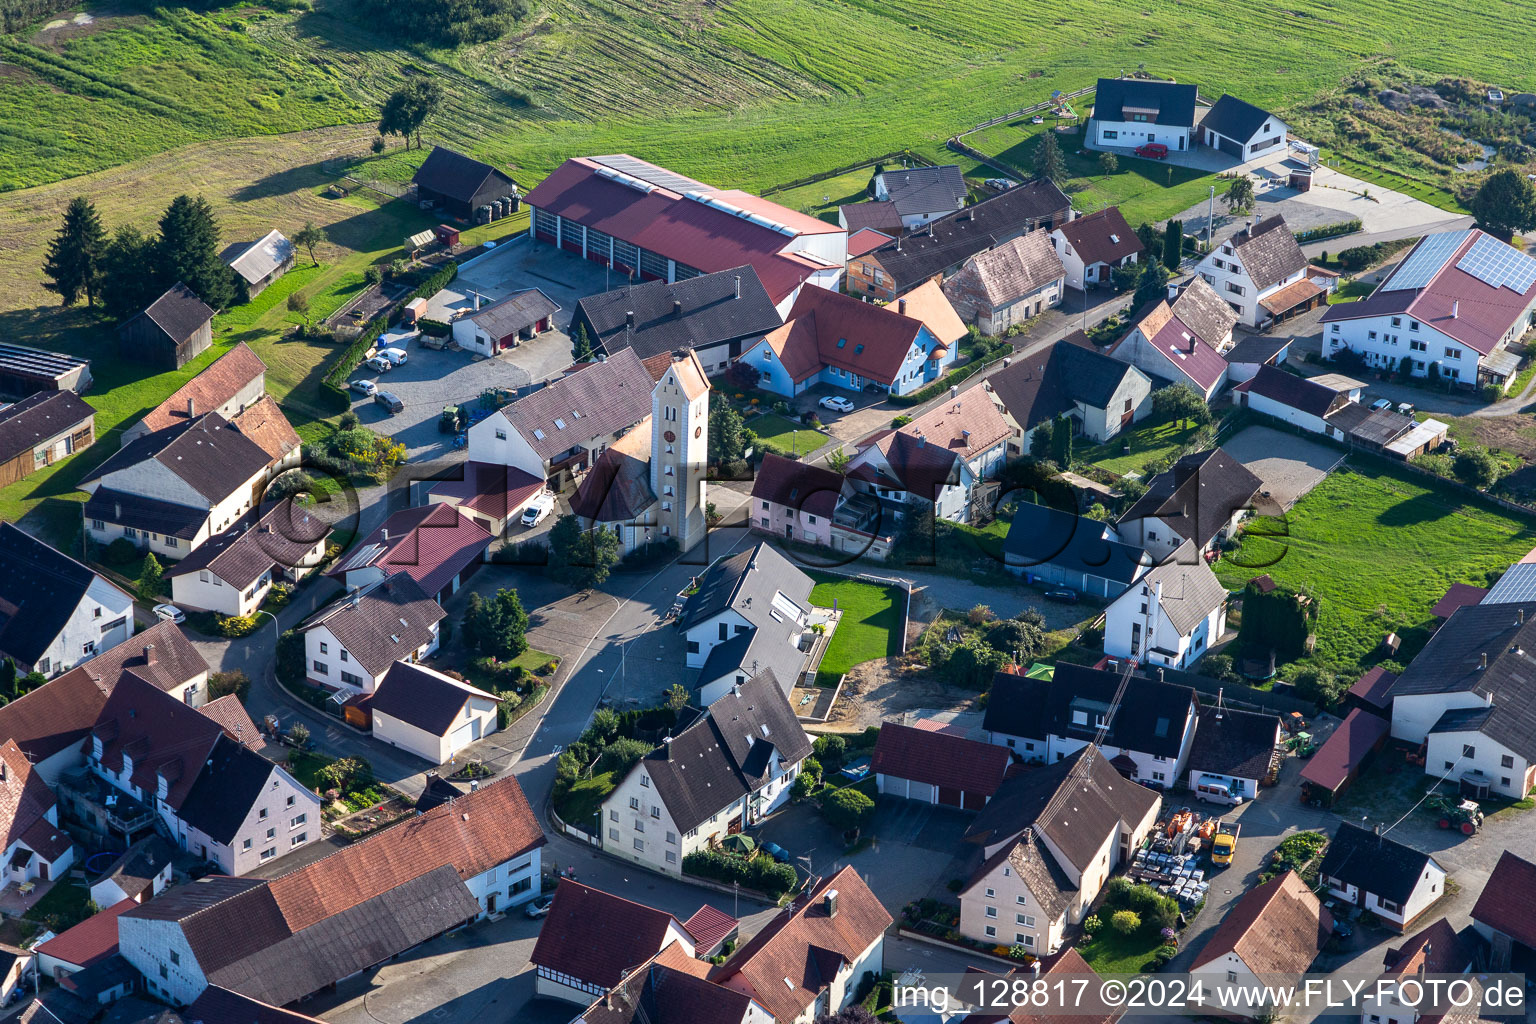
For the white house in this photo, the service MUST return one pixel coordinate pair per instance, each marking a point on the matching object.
(1008, 285)
(1201, 499)
(1133, 112)
(750, 614)
(36, 846)
(1242, 130)
(1091, 247)
(1438, 949)
(1042, 721)
(1261, 273)
(1099, 394)
(1234, 753)
(351, 643)
(1171, 616)
(1164, 347)
(1312, 403)
(1452, 307)
(936, 767)
(429, 714)
(1386, 878)
(728, 768)
(941, 458)
(922, 193)
(231, 384)
(1056, 864)
(1275, 929)
(233, 572)
(592, 940)
(1463, 693)
(141, 873)
(61, 613)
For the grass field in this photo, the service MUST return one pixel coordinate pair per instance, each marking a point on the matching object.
(1378, 548)
(870, 627)
(822, 198)
(1148, 441)
(1109, 952)
(779, 434)
(1434, 195)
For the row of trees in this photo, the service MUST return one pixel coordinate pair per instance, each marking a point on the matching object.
(448, 22)
(128, 270)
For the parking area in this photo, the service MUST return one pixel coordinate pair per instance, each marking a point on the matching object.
(1289, 476)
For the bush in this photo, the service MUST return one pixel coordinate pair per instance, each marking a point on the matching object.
(222, 684)
(805, 785)
(1320, 686)
(830, 751)
(761, 872)
(237, 626)
(1126, 922)
(120, 551)
(847, 809)
(979, 615)
(621, 755)
(1091, 923)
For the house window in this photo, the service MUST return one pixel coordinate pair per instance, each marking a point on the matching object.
(1449, 765)
(352, 679)
(613, 834)
(175, 957)
(297, 820)
(1417, 346)
(1452, 353)
(640, 845)
(671, 857)
(1232, 977)
(343, 653)
(301, 838)
(271, 833)
(991, 932)
(289, 801)
(645, 782)
(164, 972)
(639, 825)
(634, 803)
(262, 813)
(1467, 750)
(613, 815)
(501, 435)
(693, 645)
(991, 911)
(991, 893)
(269, 853)
(655, 811)
(1397, 321)
(672, 838)
(325, 648)
(97, 524)
(1390, 907)
(319, 666)
(1235, 289)
(1019, 899)
(1110, 133)
(245, 845)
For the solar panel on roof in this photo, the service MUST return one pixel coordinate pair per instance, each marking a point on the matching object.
(1425, 261)
(649, 172)
(1516, 586)
(1498, 265)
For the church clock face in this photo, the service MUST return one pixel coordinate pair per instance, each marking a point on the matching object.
(669, 436)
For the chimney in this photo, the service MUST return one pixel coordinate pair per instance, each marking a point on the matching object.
(921, 441)
(901, 306)
(384, 533)
(149, 654)
(677, 307)
(191, 408)
(830, 902)
(117, 510)
(1378, 828)
(1483, 661)
(1455, 308)
(629, 319)
(954, 389)
(738, 286)
(474, 785)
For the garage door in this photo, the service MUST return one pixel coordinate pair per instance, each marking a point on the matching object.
(921, 791)
(950, 797)
(462, 736)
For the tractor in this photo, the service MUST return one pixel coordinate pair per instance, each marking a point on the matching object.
(453, 419)
(1465, 815)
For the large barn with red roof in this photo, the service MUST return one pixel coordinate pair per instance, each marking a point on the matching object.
(638, 218)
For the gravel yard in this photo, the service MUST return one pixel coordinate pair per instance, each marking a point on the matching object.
(1289, 464)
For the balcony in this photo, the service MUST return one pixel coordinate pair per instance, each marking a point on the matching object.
(96, 804)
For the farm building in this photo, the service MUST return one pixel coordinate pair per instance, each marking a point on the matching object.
(172, 330)
(1341, 757)
(38, 431)
(657, 225)
(261, 262)
(521, 316)
(26, 371)
(458, 185)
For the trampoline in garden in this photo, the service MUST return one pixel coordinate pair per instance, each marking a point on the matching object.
(96, 863)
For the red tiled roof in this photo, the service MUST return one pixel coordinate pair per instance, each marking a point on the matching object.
(597, 936)
(1291, 296)
(797, 485)
(709, 927)
(263, 422)
(1276, 928)
(1435, 950)
(939, 759)
(24, 797)
(866, 240)
(234, 720)
(430, 544)
(1102, 236)
(928, 303)
(55, 715)
(90, 941)
(491, 489)
(220, 382)
(875, 339)
(1508, 901)
(1067, 966)
(1356, 736)
(793, 958)
(1458, 596)
(1373, 687)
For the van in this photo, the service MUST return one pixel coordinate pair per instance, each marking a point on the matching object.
(390, 401)
(538, 509)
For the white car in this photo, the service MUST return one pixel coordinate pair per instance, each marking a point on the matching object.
(170, 612)
(380, 364)
(837, 403)
(1381, 403)
(538, 509)
(396, 356)
(366, 388)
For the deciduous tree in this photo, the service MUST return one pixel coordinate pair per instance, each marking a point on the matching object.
(1181, 402)
(581, 558)
(73, 266)
(1505, 203)
(1153, 283)
(1239, 195)
(408, 107)
(308, 237)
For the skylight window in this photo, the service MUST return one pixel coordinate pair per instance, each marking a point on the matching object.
(559, 423)
(575, 415)
(858, 348)
(1115, 239)
(842, 342)
(538, 433)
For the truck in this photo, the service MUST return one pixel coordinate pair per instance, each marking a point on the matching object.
(1224, 844)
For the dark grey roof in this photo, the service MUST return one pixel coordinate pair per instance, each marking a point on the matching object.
(919, 190)
(597, 401)
(1050, 382)
(221, 1006)
(514, 313)
(1198, 496)
(351, 940)
(1048, 883)
(1174, 103)
(1300, 393)
(179, 312)
(1462, 720)
(951, 240)
(725, 657)
(141, 513)
(1235, 118)
(39, 418)
(1255, 348)
(135, 871)
(1452, 663)
(724, 754)
(456, 175)
(1041, 535)
(1076, 803)
(878, 215)
(1233, 743)
(210, 455)
(747, 582)
(1151, 719)
(228, 785)
(391, 619)
(1191, 590)
(40, 588)
(257, 543)
(1269, 252)
(1373, 863)
(711, 313)
(421, 697)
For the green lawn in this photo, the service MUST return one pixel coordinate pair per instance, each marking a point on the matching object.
(1378, 548)
(1148, 441)
(581, 803)
(305, 767)
(66, 902)
(780, 434)
(870, 627)
(822, 198)
(1109, 952)
(1350, 291)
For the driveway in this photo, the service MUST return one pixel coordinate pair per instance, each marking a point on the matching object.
(1289, 466)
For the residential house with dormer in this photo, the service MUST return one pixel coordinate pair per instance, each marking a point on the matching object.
(1261, 273)
(54, 612)
(944, 458)
(350, 644)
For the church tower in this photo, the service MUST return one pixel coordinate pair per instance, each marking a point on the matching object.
(680, 449)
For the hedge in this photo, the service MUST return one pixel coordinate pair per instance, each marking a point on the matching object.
(762, 872)
(432, 285)
(353, 354)
(1322, 231)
